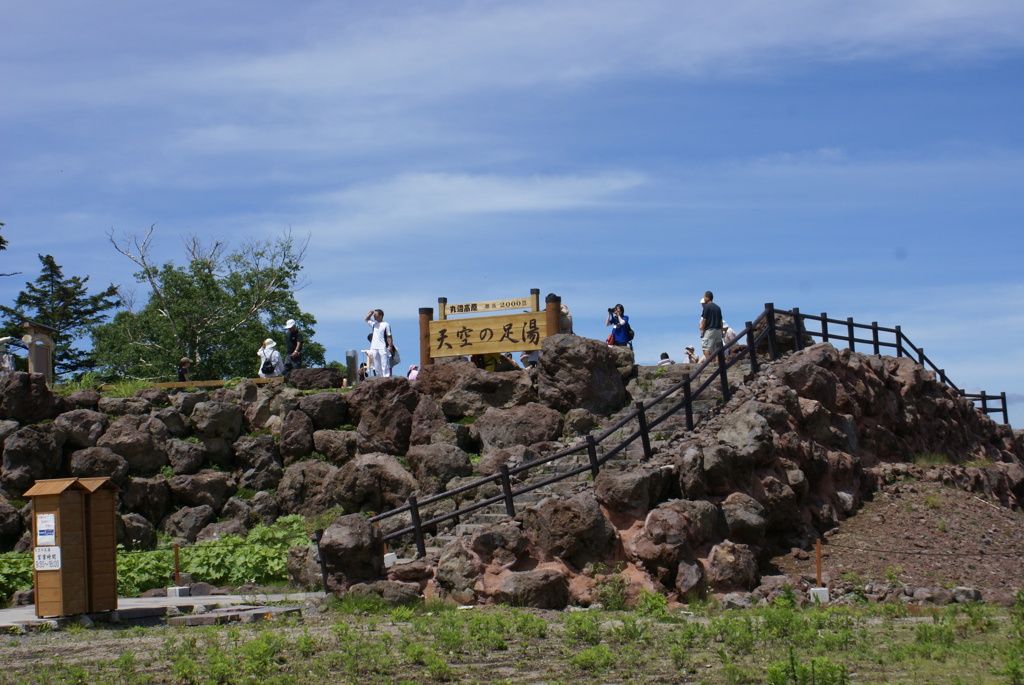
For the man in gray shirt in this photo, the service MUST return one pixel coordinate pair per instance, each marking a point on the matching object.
(710, 326)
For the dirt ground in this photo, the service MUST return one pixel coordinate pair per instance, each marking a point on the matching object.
(925, 534)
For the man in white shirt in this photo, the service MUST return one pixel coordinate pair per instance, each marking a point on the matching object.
(381, 343)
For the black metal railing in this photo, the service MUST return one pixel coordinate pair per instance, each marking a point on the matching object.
(739, 349)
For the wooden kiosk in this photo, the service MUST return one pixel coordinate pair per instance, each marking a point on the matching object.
(74, 540)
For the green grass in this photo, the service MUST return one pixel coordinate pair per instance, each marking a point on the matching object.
(360, 640)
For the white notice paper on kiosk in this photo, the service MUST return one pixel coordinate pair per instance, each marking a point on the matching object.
(46, 530)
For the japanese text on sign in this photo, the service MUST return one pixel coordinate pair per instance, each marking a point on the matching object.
(492, 306)
(47, 558)
(487, 334)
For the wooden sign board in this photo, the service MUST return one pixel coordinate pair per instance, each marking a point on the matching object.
(487, 334)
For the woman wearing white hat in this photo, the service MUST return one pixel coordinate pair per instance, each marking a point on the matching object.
(271, 365)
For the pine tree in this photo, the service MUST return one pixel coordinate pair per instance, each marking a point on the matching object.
(66, 305)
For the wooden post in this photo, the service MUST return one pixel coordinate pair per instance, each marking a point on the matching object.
(534, 299)
(595, 468)
(688, 398)
(553, 313)
(851, 331)
(874, 338)
(645, 436)
(824, 327)
(751, 348)
(817, 555)
(1006, 414)
(722, 376)
(506, 490)
(426, 316)
(417, 528)
(899, 342)
(798, 336)
(442, 308)
(773, 345)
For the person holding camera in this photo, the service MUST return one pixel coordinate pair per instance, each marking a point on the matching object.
(621, 332)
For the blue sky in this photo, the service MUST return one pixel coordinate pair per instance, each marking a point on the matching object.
(863, 159)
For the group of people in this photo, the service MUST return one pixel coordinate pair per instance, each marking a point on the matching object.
(272, 365)
(382, 354)
(714, 331)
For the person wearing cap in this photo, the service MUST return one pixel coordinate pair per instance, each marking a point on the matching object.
(381, 342)
(710, 326)
(691, 358)
(271, 365)
(183, 369)
(293, 347)
(414, 372)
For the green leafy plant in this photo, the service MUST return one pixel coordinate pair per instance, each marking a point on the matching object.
(583, 626)
(594, 659)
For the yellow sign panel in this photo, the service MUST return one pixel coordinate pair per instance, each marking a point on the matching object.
(486, 334)
(492, 306)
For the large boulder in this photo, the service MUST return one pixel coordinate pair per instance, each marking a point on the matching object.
(462, 389)
(206, 487)
(633, 490)
(185, 456)
(431, 427)
(435, 465)
(382, 409)
(83, 427)
(745, 519)
(185, 402)
(218, 420)
(337, 447)
(732, 567)
(11, 526)
(317, 378)
(124, 406)
(578, 372)
(352, 550)
(186, 523)
(573, 529)
(31, 453)
(327, 410)
(525, 425)
(155, 396)
(373, 482)
(149, 497)
(259, 459)
(99, 462)
(296, 436)
(307, 488)
(24, 397)
(139, 533)
(273, 402)
(541, 589)
(456, 573)
(141, 440)
(177, 423)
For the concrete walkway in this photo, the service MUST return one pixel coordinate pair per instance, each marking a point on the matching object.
(148, 607)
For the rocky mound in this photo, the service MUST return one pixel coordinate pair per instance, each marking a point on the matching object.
(799, 448)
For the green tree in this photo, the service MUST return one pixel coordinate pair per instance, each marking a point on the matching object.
(66, 305)
(216, 310)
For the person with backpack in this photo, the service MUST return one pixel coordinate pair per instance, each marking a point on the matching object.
(621, 334)
(271, 365)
